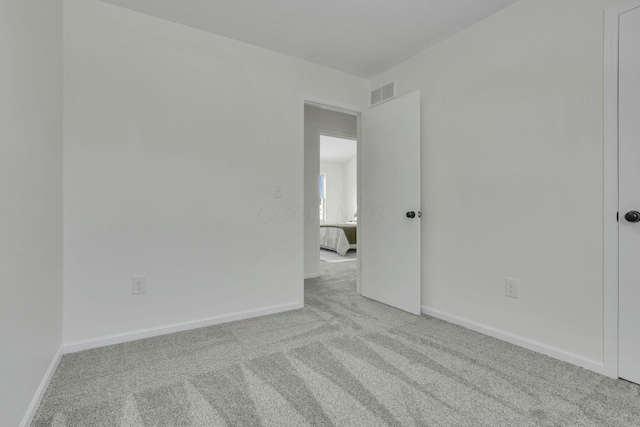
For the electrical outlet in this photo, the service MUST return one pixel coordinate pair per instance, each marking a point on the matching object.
(139, 285)
(512, 287)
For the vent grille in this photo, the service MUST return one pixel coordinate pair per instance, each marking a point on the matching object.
(376, 96)
(383, 93)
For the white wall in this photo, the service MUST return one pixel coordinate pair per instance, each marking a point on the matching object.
(316, 120)
(342, 186)
(335, 190)
(350, 188)
(174, 141)
(512, 171)
(30, 199)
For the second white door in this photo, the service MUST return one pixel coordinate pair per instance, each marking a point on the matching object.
(629, 193)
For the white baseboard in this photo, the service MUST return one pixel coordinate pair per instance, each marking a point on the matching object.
(312, 276)
(87, 344)
(42, 388)
(551, 351)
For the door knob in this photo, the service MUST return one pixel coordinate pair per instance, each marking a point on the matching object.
(411, 214)
(633, 216)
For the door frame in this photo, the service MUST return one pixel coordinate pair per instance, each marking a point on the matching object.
(339, 107)
(610, 226)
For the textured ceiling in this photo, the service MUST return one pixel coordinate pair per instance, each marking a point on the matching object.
(360, 37)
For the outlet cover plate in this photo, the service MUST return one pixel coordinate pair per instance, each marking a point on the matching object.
(512, 287)
(138, 285)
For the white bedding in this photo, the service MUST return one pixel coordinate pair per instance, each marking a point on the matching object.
(334, 239)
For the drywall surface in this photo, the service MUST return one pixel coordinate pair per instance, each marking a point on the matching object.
(350, 189)
(335, 191)
(317, 120)
(30, 199)
(342, 183)
(175, 140)
(512, 119)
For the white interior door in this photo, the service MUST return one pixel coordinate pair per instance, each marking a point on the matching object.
(389, 241)
(629, 179)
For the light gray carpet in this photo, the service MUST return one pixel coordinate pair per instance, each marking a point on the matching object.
(341, 361)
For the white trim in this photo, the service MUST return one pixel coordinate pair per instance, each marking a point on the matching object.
(330, 105)
(610, 250)
(359, 202)
(622, 8)
(312, 276)
(301, 195)
(610, 245)
(336, 134)
(42, 388)
(87, 344)
(538, 347)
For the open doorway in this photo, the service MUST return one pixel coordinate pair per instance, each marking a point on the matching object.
(388, 265)
(331, 196)
(338, 192)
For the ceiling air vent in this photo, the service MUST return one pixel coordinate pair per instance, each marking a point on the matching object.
(383, 93)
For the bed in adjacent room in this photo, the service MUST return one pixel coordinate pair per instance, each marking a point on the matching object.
(338, 237)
